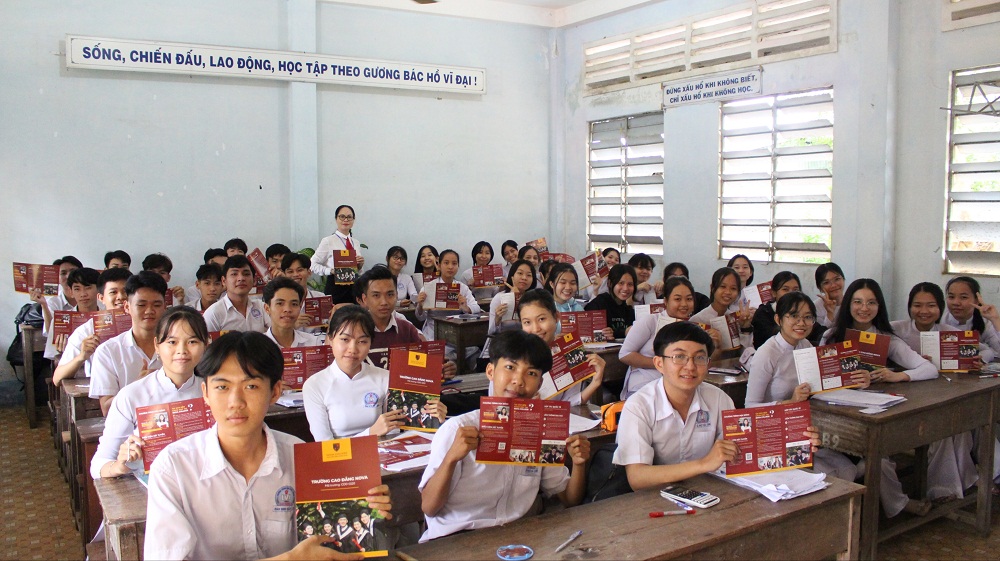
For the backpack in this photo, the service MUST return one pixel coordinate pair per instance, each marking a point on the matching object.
(605, 479)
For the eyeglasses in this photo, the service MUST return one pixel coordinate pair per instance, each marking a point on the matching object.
(398, 258)
(834, 280)
(797, 318)
(344, 217)
(682, 360)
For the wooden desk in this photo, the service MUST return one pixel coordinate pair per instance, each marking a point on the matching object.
(934, 409)
(31, 338)
(735, 386)
(462, 333)
(745, 525)
(124, 502)
(291, 420)
(410, 313)
(86, 435)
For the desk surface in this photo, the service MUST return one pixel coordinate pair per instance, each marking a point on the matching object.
(76, 387)
(454, 319)
(743, 525)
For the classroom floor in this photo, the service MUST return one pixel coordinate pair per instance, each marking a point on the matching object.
(37, 522)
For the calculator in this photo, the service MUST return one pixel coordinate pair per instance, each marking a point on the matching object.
(687, 496)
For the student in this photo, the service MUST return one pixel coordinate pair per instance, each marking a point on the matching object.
(448, 261)
(162, 265)
(539, 316)
(348, 398)
(125, 358)
(236, 469)
(83, 286)
(236, 311)
(322, 259)
(637, 350)
(296, 267)
(866, 311)
(544, 269)
(427, 261)
(274, 254)
(743, 267)
(950, 469)
(509, 253)
(181, 338)
(215, 256)
(531, 255)
(520, 279)
(236, 246)
(395, 260)
(75, 361)
(645, 293)
(966, 311)
(482, 255)
(830, 282)
(283, 305)
(378, 294)
(117, 259)
(617, 302)
(563, 283)
(457, 493)
(701, 301)
(724, 292)
(63, 298)
(672, 430)
(764, 324)
(209, 287)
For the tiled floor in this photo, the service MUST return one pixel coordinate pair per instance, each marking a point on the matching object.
(37, 522)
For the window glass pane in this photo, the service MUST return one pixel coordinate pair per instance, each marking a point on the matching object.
(752, 119)
(805, 162)
(979, 152)
(803, 211)
(975, 182)
(746, 233)
(746, 165)
(746, 211)
(746, 188)
(746, 142)
(802, 235)
(803, 187)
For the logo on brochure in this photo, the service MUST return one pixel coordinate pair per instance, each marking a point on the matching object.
(284, 499)
(701, 420)
(371, 399)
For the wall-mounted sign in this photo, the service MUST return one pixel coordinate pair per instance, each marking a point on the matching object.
(712, 87)
(97, 53)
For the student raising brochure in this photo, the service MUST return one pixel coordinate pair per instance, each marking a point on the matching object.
(617, 301)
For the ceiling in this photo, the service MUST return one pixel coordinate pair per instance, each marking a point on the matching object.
(544, 13)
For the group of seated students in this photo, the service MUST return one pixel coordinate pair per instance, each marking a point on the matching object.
(670, 430)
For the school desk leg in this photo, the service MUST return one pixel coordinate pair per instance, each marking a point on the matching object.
(920, 467)
(984, 488)
(853, 531)
(28, 351)
(870, 505)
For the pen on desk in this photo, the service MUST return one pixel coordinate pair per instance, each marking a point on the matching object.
(563, 545)
(452, 381)
(671, 513)
(945, 377)
(989, 375)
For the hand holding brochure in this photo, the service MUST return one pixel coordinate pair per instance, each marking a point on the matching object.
(522, 431)
(488, 276)
(951, 351)
(414, 379)
(111, 323)
(345, 266)
(380, 357)
(569, 366)
(28, 277)
(768, 438)
(587, 326)
(303, 362)
(828, 367)
(159, 425)
(729, 329)
(589, 267)
(874, 348)
(444, 296)
(757, 295)
(332, 479)
(318, 309)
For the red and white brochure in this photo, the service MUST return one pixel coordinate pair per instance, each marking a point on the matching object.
(446, 296)
(303, 362)
(588, 326)
(874, 348)
(591, 266)
(262, 272)
(414, 379)
(522, 431)
(159, 425)
(65, 322)
(757, 295)
(562, 258)
(345, 266)
(951, 351)
(828, 367)
(569, 366)
(768, 438)
(319, 309)
(404, 451)
(643, 310)
(111, 323)
(542, 246)
(28, 276)
(729, 328)
(488, 276)
(381, 357)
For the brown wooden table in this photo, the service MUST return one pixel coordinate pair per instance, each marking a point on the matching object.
(462, 333)
(744, 525)
(291, 420)
(934, 409)
(735, 385)
(86, 435)
(124, 502)
(31, 338)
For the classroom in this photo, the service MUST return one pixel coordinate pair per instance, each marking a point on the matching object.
(97, 159)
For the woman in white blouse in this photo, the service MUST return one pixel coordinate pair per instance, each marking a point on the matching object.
(322, 259)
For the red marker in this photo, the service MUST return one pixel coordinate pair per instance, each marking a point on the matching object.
(671, 513)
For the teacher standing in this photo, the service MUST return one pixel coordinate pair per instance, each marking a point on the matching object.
(322, 259)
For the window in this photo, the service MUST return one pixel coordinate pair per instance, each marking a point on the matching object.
(973, 221)
(625, 184)
(959, 14)
(776, 178)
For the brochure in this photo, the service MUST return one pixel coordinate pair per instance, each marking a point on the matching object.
(729, 329)
(588, 326)
(569, 366)
(303, 362)
(522, 431)
(874, 348)
(488, 276)
(768, 438)
(159, 425)
(757, 295)
(319, 309)
(414, 379)
(345, 267)
(828, 367)
(951, 351)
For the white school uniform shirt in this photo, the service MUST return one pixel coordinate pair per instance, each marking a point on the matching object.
(338, 406)
(989, 339)
(322, 260)
(651, 432)
(643, 296)
(301, 339)
(192, 294)
(154, 389)
(915, 366)
(484, 495)
(429, 288)
(772, 373)
(223, 316)
(117, 363)
(487, 292)
(200, 507)
(74, 346)
(640, 340)
(405, 289)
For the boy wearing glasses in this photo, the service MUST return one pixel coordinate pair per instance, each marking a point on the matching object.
(672, 430)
